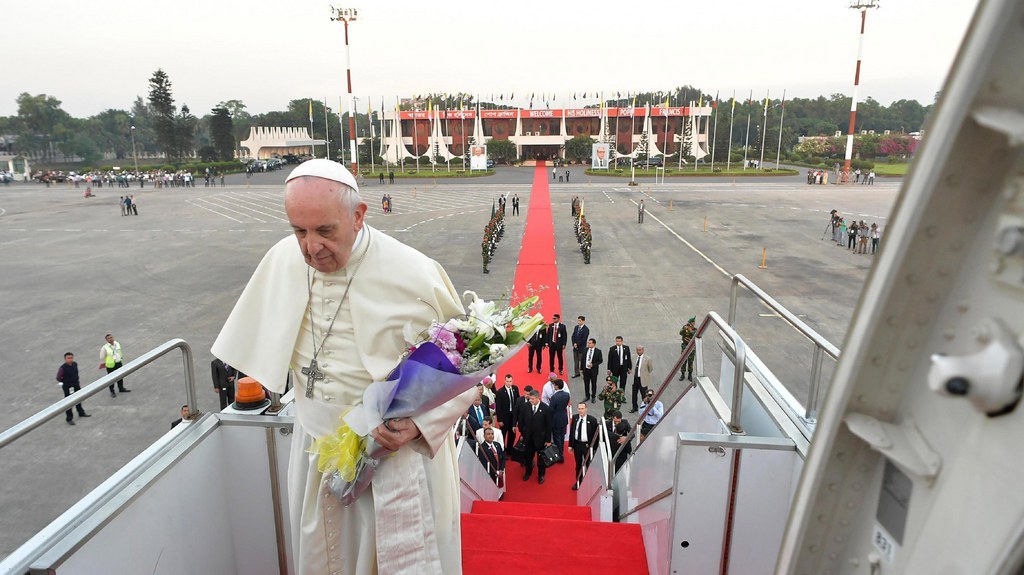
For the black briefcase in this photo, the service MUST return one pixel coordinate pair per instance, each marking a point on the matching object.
(518, 451)
(551, 455)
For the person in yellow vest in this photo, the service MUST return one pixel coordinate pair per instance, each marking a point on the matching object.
(110, 358)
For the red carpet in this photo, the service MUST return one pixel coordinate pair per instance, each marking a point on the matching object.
(537, 274)
(537, 528)
(543, 539)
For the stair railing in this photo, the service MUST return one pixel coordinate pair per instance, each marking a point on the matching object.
(821, 345)
(58, 408)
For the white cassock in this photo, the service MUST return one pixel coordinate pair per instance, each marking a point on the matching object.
(408, 520)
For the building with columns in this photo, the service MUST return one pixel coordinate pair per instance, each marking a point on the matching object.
(266, 143)
(542, 134)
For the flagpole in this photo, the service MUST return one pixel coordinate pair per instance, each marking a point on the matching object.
(341, 126)
(714, 135)
(694, 132)
(778, 152)
(369, 118)
(746, 140)
(327, 133)
(764, 130)
(312, 136)
(448, 153)
(732, 115)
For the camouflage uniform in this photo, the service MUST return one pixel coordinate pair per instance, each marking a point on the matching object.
(613, 400)
(686, 371)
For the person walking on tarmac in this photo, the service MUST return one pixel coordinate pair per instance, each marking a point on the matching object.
(111, 358)
(67, 376)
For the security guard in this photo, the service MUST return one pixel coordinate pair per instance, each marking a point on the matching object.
(110, 356)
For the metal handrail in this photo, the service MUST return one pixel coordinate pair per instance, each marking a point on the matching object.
(58, 408)
(820, 343)
(605, 447)
(745, 360)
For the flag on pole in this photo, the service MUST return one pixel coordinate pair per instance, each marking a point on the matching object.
(311, 110)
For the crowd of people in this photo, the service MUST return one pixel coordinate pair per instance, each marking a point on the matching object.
(534, 426)
(124, 179)
(857, 236)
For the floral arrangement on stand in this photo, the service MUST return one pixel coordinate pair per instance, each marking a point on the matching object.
(493, 232)
(441, 363)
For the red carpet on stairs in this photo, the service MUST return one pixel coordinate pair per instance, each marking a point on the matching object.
(547, 539)
(538, 529)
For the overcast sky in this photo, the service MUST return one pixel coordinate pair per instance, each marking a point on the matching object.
(100, 54)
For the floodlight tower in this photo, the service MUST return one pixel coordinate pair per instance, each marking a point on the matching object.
(345, 15)
(863, 6)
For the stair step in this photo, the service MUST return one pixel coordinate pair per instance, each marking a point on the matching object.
(550, 546)
(539, 510)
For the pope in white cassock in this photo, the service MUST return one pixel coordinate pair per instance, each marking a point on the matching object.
(328, 305)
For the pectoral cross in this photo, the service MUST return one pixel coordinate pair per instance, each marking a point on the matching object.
(313, 374)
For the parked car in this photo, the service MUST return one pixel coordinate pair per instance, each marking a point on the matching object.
(656, 161)
(490, 164)
(274, 164)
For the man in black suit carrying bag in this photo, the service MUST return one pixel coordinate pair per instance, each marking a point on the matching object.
(582, 432)
(535, 427)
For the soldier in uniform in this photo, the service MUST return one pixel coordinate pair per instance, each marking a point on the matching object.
(686, 333)
(612, 396)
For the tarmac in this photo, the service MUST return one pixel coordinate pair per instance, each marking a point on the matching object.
(74, 270)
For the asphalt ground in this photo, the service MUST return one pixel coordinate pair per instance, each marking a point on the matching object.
(74, 269)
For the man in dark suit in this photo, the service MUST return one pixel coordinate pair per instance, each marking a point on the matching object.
(619, 361)
(535, 427)
(591, 367)
(557, 338)
(580, 334)
(620, 430)
(535, 345)
(582, 432)
(492, 454)
(559, 405)
(477, 412)
(224, 377)
(504, 401)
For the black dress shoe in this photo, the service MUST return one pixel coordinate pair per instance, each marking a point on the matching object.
(529, 370)
(526, 476)
(681, 378)
(592, 400)
(69, 422)
(84, 415)
(540, 480)
(575, 376)
(112, 394)
(125, 390)
(634, 410)
(575, 486)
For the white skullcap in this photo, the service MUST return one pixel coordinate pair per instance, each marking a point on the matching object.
(326, 169)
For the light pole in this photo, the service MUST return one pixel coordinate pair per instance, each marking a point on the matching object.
(135, 156)
(345, 15)
(863, 6)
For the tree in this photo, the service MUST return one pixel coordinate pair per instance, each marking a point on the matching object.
(40, 123)
(578, 148)
(185, 131)
(501, 150)
(161, 105)
(222, 133)
(642, 147)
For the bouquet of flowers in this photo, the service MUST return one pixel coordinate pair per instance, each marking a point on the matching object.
(439, 365)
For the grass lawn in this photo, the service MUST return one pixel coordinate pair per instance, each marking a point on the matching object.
(891, 169)
(701, 172)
